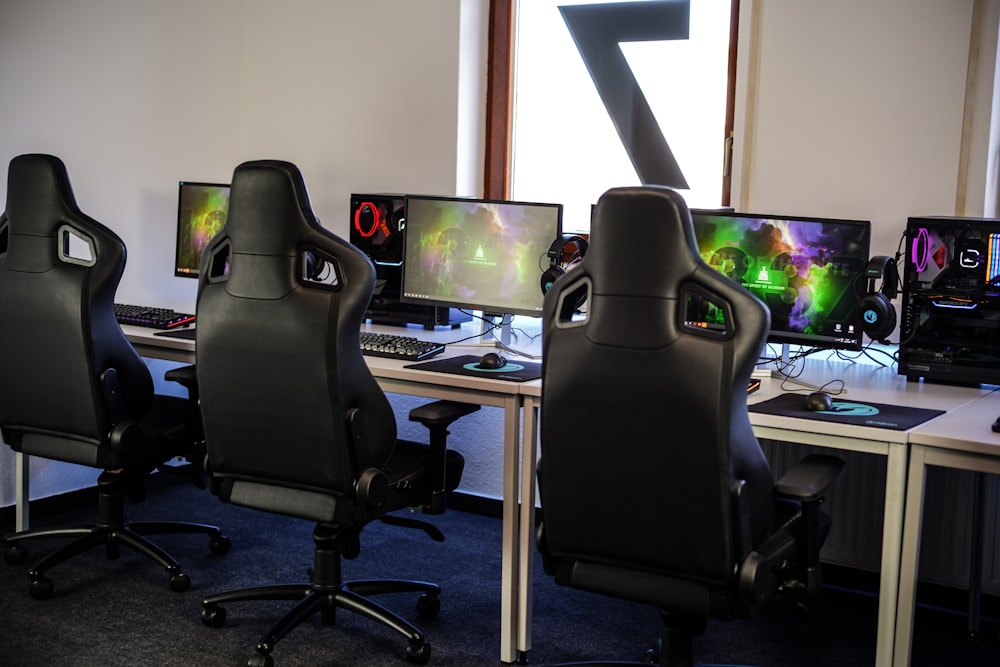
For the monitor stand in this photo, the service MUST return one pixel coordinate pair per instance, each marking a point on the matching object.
(490, 324)
(763, 372)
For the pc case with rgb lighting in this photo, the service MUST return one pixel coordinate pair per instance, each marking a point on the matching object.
(950, 325)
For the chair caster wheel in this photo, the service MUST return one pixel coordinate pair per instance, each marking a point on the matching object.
(220, 545)
(428, 606)
(213, 617)
(180, 582)
(15, 554)
(41, 588)
(260, 660)
(418, 652)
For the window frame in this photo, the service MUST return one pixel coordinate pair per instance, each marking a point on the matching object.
(499, 100)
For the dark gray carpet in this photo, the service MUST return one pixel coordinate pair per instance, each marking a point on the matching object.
(123, 613)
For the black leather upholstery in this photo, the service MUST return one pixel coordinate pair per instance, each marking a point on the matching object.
(73, 387)
(653, 485)
(294, 420)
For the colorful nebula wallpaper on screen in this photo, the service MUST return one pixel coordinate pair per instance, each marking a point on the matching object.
(809, 272)
(201, 214)
(477, 254)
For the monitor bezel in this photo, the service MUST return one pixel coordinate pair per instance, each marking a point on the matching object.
(854, 342)
(179, 271)
(487, 309)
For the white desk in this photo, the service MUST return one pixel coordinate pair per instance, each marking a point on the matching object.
(959, 439)
(863, 382)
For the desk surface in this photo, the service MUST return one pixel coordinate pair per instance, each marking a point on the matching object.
(966, 428)
(148, 344)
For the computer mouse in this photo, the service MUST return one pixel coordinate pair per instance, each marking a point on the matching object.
(819, 400)
(491, 361)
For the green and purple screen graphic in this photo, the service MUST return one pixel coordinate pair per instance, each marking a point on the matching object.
(478, 254)
(201, 212)
(807, 271)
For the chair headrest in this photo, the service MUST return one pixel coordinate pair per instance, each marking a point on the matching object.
(39, 195)
(650, 225)
(269, 208)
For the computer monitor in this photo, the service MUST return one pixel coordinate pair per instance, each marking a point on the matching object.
(478, 254)
(808, 271)
(201, 213)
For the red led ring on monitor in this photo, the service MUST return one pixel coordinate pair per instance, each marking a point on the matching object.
(375, 221)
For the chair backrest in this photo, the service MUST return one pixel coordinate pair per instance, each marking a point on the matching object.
(644, 426)
(59, 270)
(279, 362)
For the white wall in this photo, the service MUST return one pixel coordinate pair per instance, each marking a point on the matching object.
(857, 109)
(135, 95)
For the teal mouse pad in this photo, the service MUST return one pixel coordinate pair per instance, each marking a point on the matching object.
(514, 371)
(847, 411)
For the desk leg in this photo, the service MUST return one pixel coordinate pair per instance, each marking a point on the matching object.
(21, 491)
(892, 537)
(509, 564)
(910, 559)
(526, 573)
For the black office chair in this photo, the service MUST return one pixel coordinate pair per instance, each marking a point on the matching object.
(73, 387)
(294, 421)
(653, 486)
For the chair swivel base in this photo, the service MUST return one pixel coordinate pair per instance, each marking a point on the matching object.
(324, 595)
(112, 531)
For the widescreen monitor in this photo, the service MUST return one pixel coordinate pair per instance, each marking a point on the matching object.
(201, 213)
(478, 254)
(809, 272)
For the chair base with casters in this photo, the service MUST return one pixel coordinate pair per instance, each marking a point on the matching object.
(327, 592)
(112, 530)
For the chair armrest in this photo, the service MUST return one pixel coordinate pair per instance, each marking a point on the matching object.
(809, 479)
(183, 375)
(441, 412)
(436, 417)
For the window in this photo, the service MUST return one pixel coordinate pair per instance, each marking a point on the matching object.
(608, 94)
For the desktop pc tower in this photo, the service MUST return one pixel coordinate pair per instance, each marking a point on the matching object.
(377, 228)
(950, 326)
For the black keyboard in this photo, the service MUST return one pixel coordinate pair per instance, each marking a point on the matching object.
(147, 316)
(393, 346)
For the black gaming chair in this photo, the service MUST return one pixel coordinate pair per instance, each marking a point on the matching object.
(653, 486)
(294, 421)
(73, 387)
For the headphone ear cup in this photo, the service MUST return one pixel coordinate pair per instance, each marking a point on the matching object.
(878, 317)
(549, 276)
(314, 265)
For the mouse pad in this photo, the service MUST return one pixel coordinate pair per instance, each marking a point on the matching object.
(186, 334)
(846, 411)
(515, 370)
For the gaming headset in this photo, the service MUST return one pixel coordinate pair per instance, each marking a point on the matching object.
(560, 261)
(877, 314)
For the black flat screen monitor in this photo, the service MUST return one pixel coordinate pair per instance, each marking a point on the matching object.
(478, 254)
(809, 272)
(201, 213)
